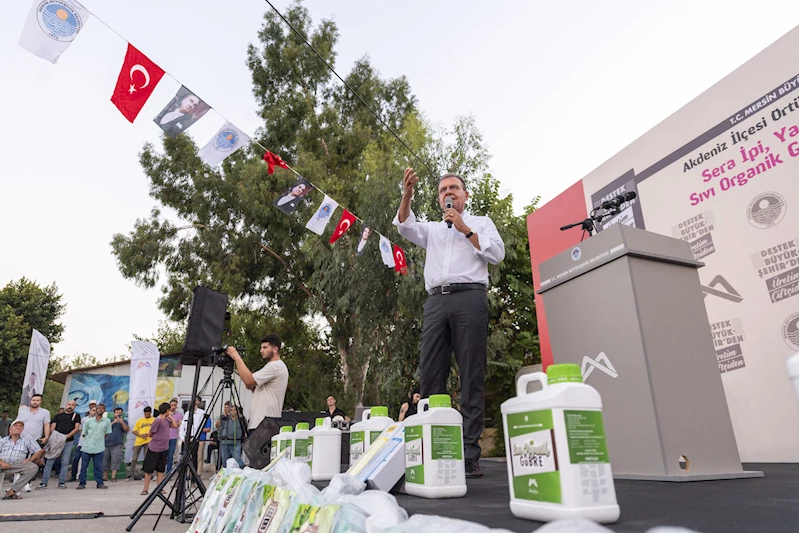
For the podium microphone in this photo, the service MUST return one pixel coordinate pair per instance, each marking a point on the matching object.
(448, 205)
(617, 201)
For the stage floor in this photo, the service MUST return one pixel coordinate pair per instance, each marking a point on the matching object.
(768, 504)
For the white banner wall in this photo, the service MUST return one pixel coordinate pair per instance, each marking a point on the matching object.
(722, 173)
(36, 369)
(144, 360)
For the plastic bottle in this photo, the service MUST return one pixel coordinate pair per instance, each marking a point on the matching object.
(300, 442)
(793, 371)
(325, 450)
(282, 440)
(557, 456)
(373, 422)
(434, 465)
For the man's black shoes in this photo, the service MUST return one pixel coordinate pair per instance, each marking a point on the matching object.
(473, 469)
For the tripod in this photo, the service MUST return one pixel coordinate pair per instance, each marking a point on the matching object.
(589, 224)
(185, 469)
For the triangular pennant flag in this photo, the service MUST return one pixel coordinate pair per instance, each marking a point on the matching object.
(399, 261)
(385, 252)
(185, 109)
(365, 233)
(346, 222)
(273, 160)
(135, 83)
(322, 216)
(51, 27)
(224, 142)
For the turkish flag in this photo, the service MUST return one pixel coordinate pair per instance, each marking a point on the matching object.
(346, 222)
(399, 261)
(273, 160)
(135, 84)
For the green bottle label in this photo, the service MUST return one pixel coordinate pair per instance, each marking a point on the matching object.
(301, 448)
(283, 445)
(446, 443)
(534, 465)
(585, 433)
(373, 436)
(414, 455)
(357, 445)
(310, 450)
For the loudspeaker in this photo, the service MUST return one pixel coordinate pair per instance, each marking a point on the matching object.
(206, 322)
(257, 447)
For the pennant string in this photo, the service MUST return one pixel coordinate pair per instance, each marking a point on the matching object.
(254, 141)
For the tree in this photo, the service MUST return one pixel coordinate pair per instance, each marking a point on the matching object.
(24, 306)
(344, 316)
(168, 338)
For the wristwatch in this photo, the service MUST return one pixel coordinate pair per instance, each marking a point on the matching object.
(469, 235)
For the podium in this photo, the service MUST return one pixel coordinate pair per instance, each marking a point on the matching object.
(626, 305)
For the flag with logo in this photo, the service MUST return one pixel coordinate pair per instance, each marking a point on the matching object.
(36, 369)
(322, 216)
(346, 222)
(135, 83)
(400, 265)
(144, 361)
(224, 142)
(272, 161)
(385, 252)
(51, 27)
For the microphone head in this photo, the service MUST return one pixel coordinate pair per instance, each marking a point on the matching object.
(630, 196)
(448, 202)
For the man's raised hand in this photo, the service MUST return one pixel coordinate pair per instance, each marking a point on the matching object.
(409, 181)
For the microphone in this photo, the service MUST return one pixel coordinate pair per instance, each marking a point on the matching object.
(448, 205)
(616, 201)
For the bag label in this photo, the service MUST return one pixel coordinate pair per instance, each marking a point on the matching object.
(414, 455)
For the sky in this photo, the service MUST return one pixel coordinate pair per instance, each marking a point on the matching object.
(557, 88)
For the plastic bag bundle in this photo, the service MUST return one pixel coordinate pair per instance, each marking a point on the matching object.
(224, 504)
(265, 509)
(212, 496)
(438, 524)
(228, 518)
(382, 510)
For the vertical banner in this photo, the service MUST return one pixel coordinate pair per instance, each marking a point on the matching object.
(144, 360)
(36, 371)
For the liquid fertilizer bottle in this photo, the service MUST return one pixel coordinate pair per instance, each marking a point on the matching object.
(325, 450)
(557, 455)
(300, 443)
(373, 422)
(434, 465)
(282, 440)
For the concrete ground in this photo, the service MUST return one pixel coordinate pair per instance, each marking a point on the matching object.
(117, 503)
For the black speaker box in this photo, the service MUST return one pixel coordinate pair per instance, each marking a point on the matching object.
(206, 322)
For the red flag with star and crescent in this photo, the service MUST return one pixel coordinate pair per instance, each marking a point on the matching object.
(400, 265)
(272, 161)
(136, 82)
(346, 222)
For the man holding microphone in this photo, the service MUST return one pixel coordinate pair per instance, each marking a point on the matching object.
(459, 249)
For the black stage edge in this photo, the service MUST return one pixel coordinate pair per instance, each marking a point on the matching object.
(768, 504)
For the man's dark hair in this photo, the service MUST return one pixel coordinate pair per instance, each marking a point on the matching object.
(272, 339)
(148, 409)
(99, 404)
(451, 175)
(3, 411)
(163, 408)
(118, 409)
(35, 395)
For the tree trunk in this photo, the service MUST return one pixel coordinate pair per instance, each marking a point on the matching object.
(343, 353)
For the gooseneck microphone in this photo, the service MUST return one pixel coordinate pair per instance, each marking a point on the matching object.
(616, 201)
(448, 205)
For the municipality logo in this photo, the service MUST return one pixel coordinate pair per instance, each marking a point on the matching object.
(141, 403)
(576, 253)
(766, 210)
(226, 140)
(601, 362)
(59, 20)
(143, 364)
(726, 291)
(790, 331)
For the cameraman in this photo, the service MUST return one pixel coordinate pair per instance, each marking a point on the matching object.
(268, 384)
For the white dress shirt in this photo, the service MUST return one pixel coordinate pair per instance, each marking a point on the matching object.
(451, 258)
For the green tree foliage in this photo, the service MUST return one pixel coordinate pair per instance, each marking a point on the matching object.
(350, 325)
(169, 338)
(24, 306)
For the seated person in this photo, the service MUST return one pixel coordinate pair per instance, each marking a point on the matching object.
(18, 455)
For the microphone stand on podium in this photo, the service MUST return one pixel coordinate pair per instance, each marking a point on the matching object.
(608, 208)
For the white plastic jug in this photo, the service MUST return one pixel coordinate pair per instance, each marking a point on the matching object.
(373, 422)
(434, 465)
(557, 457)
(281, 441)
(325, 450)
(300, 442)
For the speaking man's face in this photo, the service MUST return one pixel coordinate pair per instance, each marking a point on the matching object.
(452, 187)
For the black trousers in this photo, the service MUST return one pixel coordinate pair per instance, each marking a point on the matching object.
(457, 321)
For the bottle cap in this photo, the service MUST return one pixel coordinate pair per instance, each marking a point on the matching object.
(440, 400)
(320, 422)
(564, 373)
(380, 410)
(302, 425)
(285, 429)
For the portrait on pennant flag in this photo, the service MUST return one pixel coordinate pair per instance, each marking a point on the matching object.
(291, 197)
(185, 109)
(365, 233)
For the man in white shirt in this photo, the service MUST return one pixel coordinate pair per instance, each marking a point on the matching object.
(268, 385)
(459, 250)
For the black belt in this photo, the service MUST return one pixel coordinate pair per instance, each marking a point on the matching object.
(456, 287)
